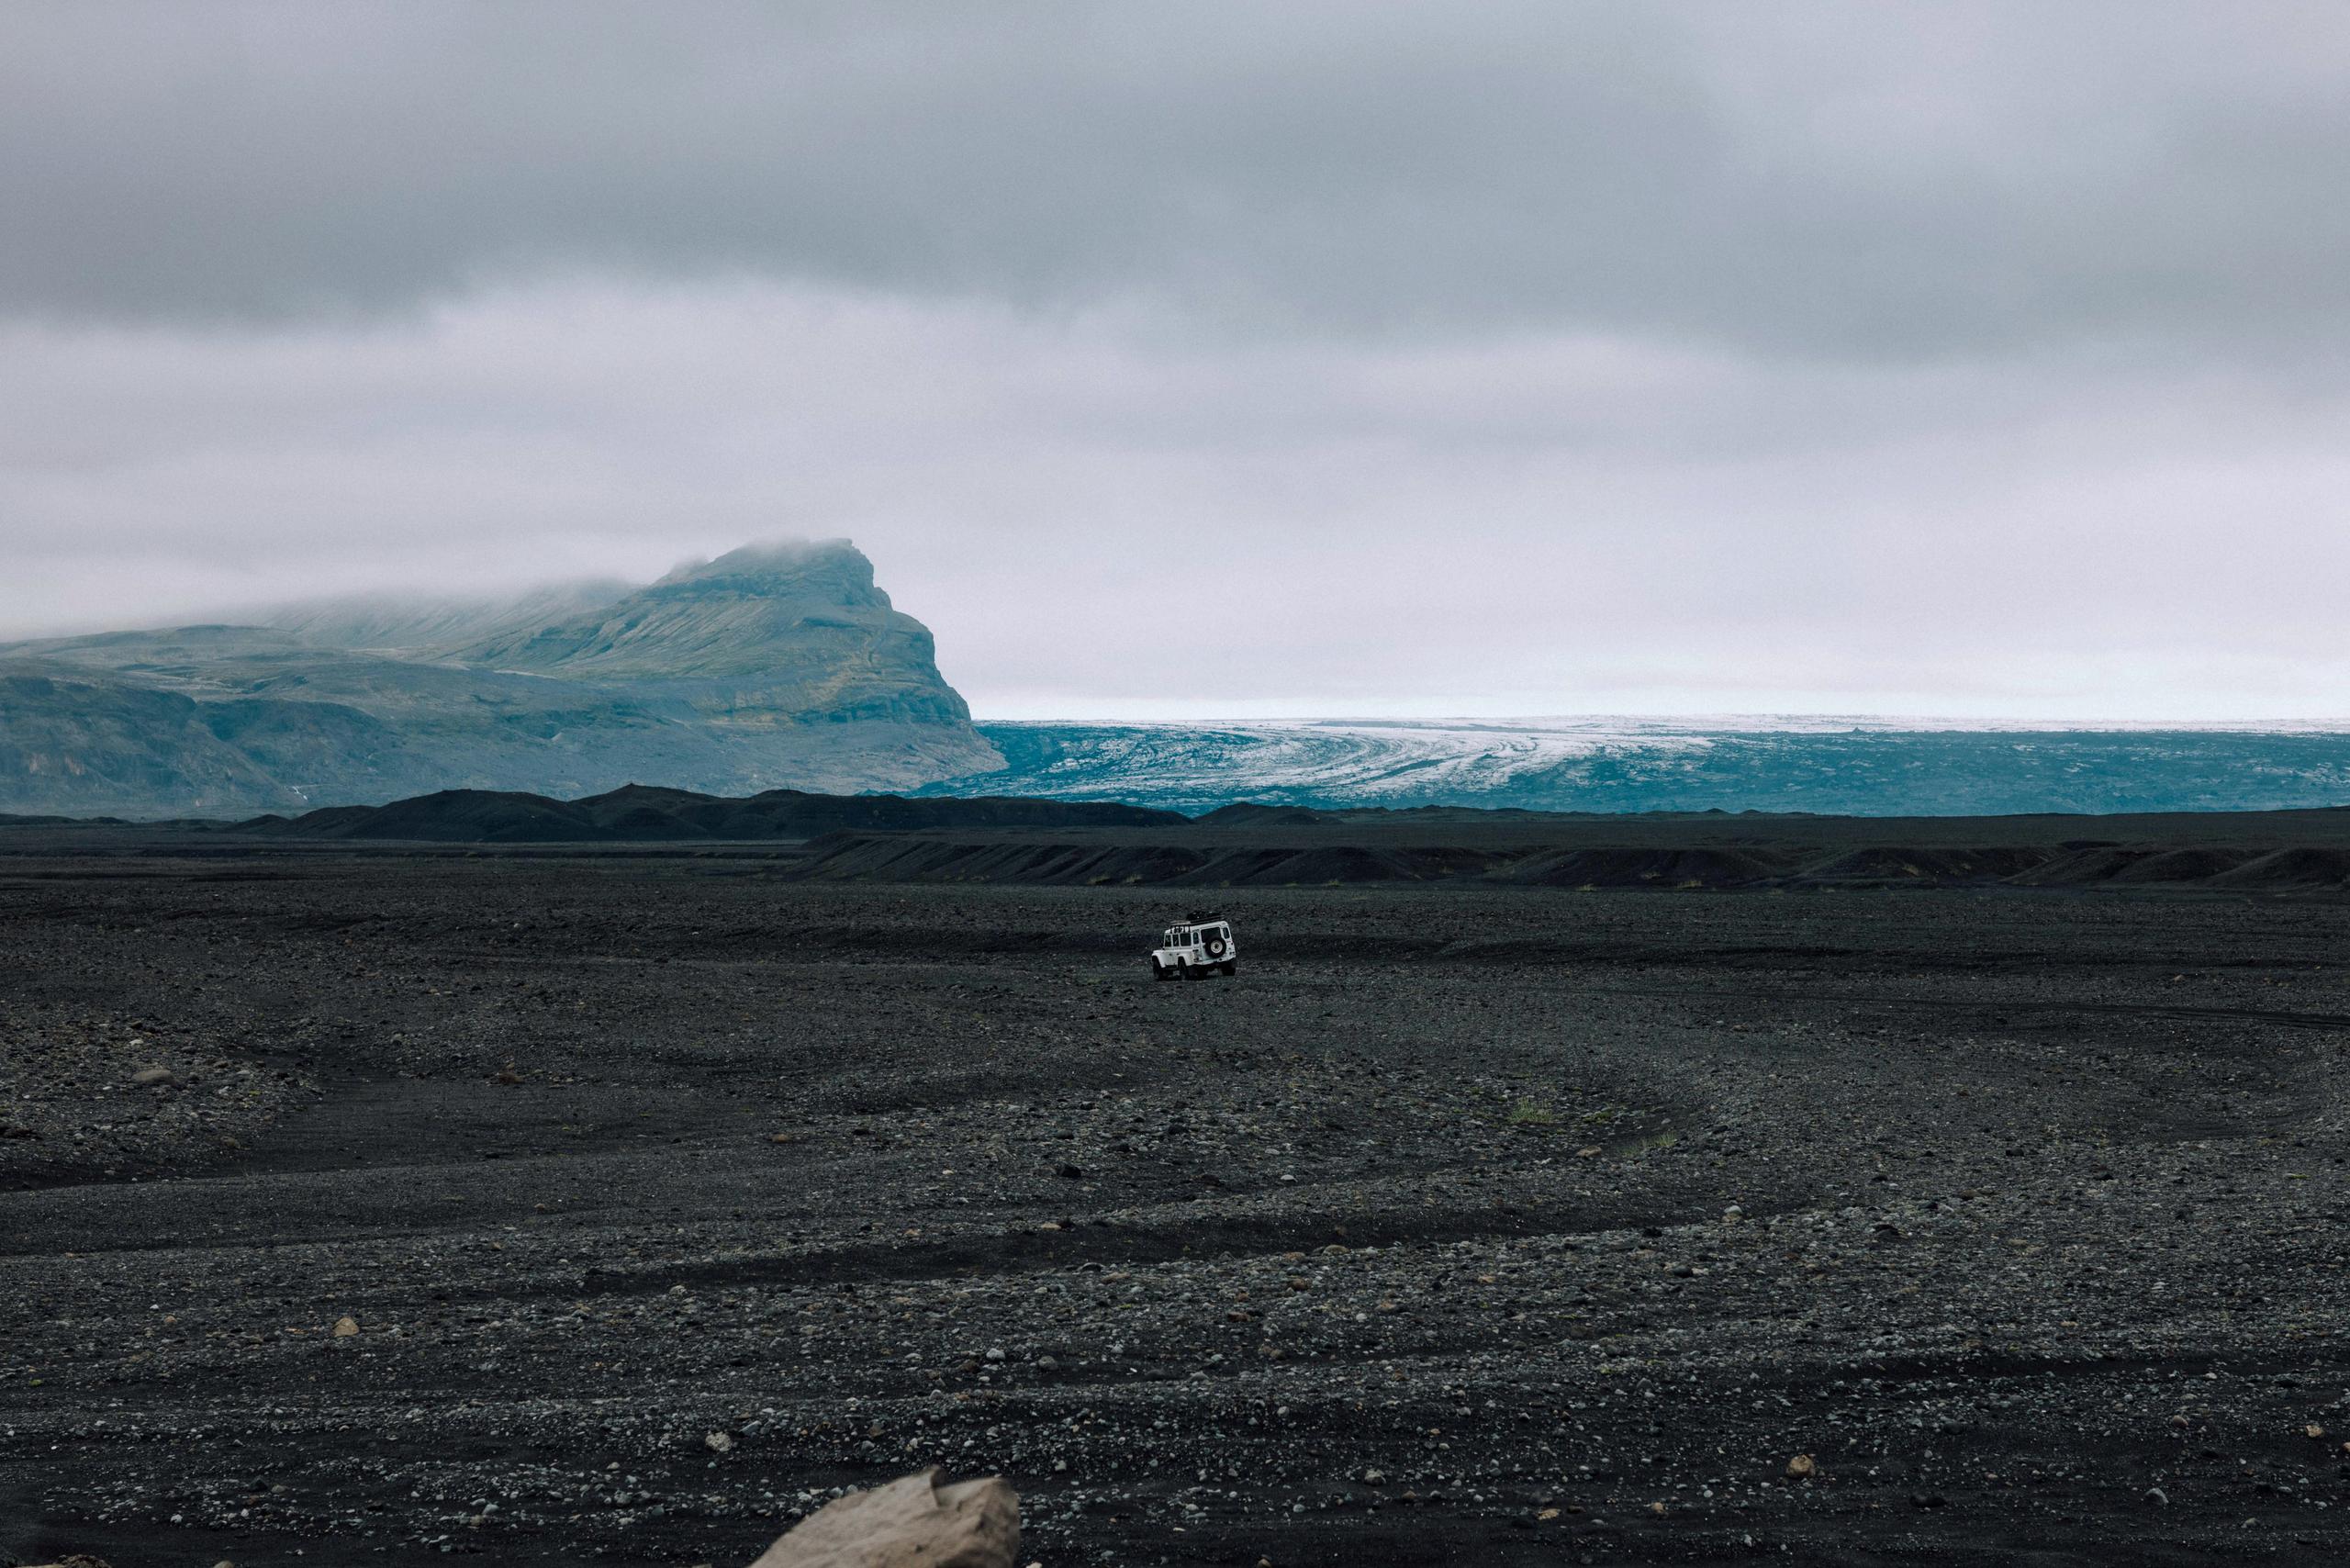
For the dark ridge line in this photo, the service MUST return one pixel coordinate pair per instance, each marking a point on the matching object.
(1106, 1242)
(2069, 866)
(1953, 1004)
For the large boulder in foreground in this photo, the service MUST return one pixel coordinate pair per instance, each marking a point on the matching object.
(911, 1523)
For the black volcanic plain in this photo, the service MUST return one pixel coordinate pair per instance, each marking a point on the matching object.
(1538, 1191)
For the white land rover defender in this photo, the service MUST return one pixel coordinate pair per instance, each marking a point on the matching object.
(1201, 945)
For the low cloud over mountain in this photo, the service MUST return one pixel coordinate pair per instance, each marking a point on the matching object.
(768, 667)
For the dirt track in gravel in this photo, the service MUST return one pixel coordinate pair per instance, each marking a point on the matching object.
(1406, 1246)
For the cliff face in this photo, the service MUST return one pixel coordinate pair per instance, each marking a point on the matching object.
(797, 631)
(774, 667)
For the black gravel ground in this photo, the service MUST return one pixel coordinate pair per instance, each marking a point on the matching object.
(667, 1195)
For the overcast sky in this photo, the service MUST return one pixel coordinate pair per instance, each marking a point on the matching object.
(1218, 359)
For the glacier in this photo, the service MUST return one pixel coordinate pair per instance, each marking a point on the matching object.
(1847, 766)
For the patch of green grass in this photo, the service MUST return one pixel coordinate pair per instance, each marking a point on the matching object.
(1532, 1114)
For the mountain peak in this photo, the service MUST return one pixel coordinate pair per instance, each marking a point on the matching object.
(830, 571)
(776, 664)
(779, 615)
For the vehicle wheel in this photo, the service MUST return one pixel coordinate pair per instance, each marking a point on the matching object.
(1232, 966)
(1192, 971)
(1159, 971)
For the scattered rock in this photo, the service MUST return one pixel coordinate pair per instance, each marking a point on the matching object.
(910, 1523)
(1802, 1467)
(720, 1442)
(345, 1327)
(1443, 1314)
(154, 1078)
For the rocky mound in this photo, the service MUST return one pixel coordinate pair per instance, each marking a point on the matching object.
(2288, 869)
(1249, 814)
(2082, 866)
(1610, 866)
(1883, 864)
(2164, 867)
(635, 813)
(859, 858)
(1349, 851)
(849, 858)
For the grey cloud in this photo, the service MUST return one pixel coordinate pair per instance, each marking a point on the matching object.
(1554, 525)
(1881, 355)
(1805, 180)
